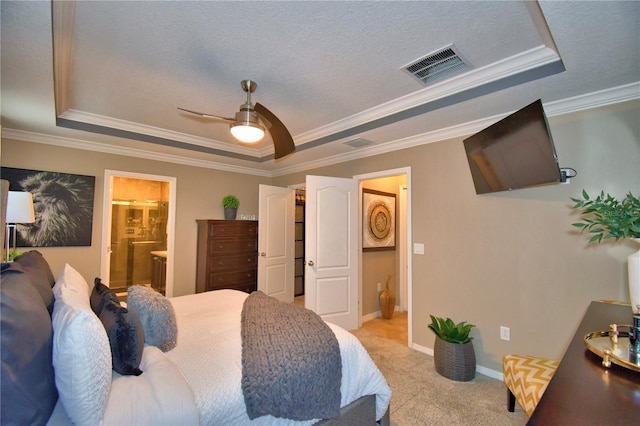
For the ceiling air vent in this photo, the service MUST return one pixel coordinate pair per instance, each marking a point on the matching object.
(436, 66)
(358, 143)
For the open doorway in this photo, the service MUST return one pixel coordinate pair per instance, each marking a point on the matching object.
(402, 263)
(138, 225)
(378, 267)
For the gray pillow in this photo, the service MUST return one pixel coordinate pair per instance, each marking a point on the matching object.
(156, 315)
(126, 338)
(28, 384)
(37, 269)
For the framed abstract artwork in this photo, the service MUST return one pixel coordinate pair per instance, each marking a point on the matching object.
(378, 220)
(63, 205)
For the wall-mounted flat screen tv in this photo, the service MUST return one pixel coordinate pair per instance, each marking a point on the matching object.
(516, 152)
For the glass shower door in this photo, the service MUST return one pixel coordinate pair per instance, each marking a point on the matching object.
(138, 233)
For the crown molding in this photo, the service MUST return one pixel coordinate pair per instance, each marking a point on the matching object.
(128, 126)
(126, 151)
(473, 78)
(614, 95)
(514, 65)
(587, 101)
(579, 103)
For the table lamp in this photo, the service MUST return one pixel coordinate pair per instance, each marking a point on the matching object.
(19, 210)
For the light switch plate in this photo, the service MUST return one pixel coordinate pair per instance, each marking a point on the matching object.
(418, 248)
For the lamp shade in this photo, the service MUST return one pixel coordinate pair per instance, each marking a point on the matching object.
(20, 207)
(247, 132)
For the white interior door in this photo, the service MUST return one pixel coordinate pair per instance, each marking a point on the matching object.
(331, 250)
(276, 219)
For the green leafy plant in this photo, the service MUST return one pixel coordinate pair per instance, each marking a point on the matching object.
(449, 331)
(607, 217)
(13, 253)
(230, 201)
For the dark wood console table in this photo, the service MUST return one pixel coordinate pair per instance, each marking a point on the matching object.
(582, 391)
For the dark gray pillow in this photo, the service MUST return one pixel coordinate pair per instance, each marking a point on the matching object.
(100, 296)
(28, 384)
(40, 275)
(126, 337)
(156, 315)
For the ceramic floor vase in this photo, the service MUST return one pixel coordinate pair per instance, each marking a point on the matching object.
(455, 361)
(387, 303)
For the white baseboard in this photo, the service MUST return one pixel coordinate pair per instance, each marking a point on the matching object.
(498, 375)
(371, 316)
(376, 314)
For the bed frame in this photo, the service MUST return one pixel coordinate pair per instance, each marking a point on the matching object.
(360, 412)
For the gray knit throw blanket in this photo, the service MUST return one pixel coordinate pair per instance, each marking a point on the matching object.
(291, 365)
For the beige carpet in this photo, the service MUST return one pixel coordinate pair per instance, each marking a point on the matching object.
(423, 397)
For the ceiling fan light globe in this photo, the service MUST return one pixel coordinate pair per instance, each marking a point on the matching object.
(246, 132)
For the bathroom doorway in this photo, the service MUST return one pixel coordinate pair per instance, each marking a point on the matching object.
(138, 229)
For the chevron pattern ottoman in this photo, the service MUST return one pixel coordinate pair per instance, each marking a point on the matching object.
(526, 378)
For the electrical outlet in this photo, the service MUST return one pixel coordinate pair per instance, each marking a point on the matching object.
(505, 333)
(379, 286)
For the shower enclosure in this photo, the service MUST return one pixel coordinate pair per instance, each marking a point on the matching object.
(138, 234)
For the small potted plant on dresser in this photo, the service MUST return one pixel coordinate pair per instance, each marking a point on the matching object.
(453, 352)
(230, 204)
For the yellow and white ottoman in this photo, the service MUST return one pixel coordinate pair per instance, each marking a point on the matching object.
(526, 378)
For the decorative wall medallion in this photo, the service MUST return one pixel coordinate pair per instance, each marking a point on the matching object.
(379, 220)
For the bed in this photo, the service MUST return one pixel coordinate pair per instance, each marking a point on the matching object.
(54, 368)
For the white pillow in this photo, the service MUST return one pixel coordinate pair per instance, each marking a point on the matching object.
(73, 284)
(159, 396)
(81, 351)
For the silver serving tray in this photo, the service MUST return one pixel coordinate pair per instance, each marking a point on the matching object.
(612, 348)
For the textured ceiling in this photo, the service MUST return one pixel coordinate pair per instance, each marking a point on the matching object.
(331, 71)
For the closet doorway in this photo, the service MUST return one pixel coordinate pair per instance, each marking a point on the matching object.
(138, 224)
(298, 288)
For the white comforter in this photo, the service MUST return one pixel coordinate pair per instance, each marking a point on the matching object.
(209, 356)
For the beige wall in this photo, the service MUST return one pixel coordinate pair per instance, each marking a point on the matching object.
(198, 196)
(512, 258)
(503, 259)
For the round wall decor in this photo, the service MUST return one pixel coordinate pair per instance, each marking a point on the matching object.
(380, 221)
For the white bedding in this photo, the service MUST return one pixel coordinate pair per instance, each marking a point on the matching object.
(159, 396)
(209, 356)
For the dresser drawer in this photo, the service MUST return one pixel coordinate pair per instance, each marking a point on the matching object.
(235, 245)
(233, 262)
(221, 229)
(230, 279)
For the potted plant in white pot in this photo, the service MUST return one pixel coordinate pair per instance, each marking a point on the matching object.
(608, 217)
(453, 353)
(230, 203)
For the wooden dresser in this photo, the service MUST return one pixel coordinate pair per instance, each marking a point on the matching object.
(227, 255)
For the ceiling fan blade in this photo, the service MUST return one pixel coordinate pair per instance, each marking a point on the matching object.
(202, 114)
(282, 140)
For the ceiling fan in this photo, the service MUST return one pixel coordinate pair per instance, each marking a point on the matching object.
(249, 124)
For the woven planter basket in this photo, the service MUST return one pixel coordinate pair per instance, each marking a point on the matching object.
(455, 361)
